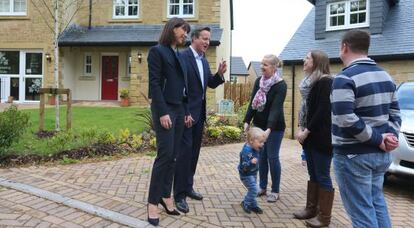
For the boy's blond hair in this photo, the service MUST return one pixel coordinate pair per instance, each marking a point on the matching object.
(254, 133)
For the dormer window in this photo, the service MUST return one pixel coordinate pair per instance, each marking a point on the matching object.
(13, 7)
(125, 9)
(180, 8)
(347, 14)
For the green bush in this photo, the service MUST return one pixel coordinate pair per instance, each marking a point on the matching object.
(136, 141)
(214, 131)
(13, 123)
(61, 141)
(106, 137)
(213, 120)
(241, 112)
(124, 135)
(231, 132)
(89, 136)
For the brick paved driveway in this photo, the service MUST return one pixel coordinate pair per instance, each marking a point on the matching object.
(122, 185)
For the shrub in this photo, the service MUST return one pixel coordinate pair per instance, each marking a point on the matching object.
(106, 137)
(60, 141)
(136, 141)
(241, 112)
(13, 124)
(214, 131)
(89, 135)
(153, 142)
(124, 135)
(213, 120)
(231, 132)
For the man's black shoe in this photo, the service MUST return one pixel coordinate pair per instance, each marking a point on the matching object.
(182, 206)
(195, 195)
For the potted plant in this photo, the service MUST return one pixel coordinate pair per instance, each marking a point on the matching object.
(10, 99)
(124, 94)
(51, 99)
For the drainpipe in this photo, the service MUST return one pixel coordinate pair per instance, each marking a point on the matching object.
(293, 101)
(90, 14)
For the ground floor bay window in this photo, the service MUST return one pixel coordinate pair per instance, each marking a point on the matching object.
(21, 75)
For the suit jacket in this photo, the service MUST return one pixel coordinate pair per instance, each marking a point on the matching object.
(196, 91)
(167, 78)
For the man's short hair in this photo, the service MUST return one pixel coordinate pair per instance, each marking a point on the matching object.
(357, 40)
(196, 32)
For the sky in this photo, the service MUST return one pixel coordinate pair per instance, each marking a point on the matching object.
(265, 26)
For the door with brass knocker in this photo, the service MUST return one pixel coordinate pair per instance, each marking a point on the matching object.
(109, 78)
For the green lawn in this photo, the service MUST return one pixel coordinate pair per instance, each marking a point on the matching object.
(105, 118)
(84, 119)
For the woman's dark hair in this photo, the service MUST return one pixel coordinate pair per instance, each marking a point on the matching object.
(320, 65)
(167, 36)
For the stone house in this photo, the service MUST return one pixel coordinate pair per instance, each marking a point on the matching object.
(390, 23)
(238, 70)
(102, 49)
(254, 71)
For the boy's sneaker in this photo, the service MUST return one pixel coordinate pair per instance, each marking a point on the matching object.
(257, 210)
(272, 197)
(262, 192)
(245, 208)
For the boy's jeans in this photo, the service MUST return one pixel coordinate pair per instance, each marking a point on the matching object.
(250, 182)
(360, 179)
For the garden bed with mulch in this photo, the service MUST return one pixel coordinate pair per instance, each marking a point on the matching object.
(96, 151)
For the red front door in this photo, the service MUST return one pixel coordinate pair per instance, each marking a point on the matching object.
(109, 78)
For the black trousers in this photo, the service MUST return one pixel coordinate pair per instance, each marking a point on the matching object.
(168, 143)
(187, 159)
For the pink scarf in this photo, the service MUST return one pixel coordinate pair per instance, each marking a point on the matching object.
(259, 100)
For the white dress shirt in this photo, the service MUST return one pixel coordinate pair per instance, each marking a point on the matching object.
(199, 65)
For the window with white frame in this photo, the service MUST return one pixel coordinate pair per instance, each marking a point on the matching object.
(347, 14)
(180, 8)
(124, 9)
(88, 64)
(13, 7)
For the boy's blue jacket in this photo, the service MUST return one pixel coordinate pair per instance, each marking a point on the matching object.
(246, 167)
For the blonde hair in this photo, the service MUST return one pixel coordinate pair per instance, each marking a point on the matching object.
(254, 133)
(274, 61)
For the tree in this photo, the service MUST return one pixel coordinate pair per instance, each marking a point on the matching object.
(61, 13)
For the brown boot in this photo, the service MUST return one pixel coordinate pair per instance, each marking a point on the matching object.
(310, 210)
(325, 209)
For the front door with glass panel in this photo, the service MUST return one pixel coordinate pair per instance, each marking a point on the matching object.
(21, 75)
(109, 78)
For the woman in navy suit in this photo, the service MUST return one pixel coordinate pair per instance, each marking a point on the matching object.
(167, 89)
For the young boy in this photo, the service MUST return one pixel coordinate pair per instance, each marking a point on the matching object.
(249, 166)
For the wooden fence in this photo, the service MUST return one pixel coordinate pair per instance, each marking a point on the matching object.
(239, 93)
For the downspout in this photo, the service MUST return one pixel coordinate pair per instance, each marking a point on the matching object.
(293, 101)
(90, 14)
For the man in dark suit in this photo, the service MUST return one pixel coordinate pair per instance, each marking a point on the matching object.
(199, 77)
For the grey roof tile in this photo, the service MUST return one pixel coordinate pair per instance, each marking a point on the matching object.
(123, 35)
(396, 40)
(238, 67)
(256, 67)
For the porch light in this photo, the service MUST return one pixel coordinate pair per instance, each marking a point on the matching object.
(139, 57)
(48, 57)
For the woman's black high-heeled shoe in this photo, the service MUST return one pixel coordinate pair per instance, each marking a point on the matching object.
(173, 212)
(153, 221)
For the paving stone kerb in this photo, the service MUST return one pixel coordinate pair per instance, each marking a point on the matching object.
(122, 186)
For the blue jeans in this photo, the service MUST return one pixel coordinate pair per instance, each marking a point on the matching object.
(360, 180)
(250, 182)
(319, 166)
(269, 159)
